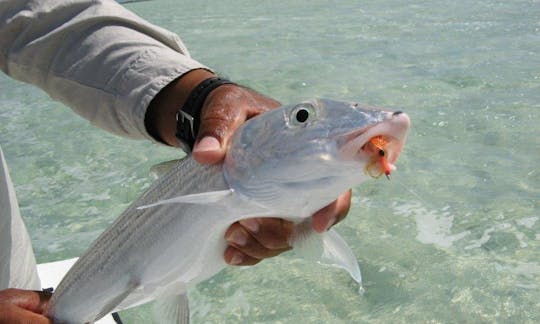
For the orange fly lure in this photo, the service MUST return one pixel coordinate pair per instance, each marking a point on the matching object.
(379, 143)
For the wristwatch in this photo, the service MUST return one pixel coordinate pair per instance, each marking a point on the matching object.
(188, 118)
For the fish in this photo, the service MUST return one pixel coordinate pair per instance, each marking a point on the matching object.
(288, 162)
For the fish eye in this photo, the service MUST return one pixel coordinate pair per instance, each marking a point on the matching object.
(302, 114)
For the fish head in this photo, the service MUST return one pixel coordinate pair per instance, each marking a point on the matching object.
(298, 158)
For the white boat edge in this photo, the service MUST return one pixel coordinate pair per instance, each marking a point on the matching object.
(51, 273)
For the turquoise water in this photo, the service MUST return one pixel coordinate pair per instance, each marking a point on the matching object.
(454, 237)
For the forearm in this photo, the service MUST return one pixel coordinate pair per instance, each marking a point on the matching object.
(98, 58)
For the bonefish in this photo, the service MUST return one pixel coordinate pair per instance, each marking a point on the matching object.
(291, 162)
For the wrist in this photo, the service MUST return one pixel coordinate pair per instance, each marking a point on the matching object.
(188, 118)
(160, 118)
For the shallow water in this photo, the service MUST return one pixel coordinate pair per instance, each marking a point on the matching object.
(454, 237)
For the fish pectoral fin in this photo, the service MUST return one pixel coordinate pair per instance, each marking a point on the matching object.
(198, 198)
(328, 248)
(306, 243)
(172, 310)
(337, 253)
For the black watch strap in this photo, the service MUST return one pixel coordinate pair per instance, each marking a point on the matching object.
(188, 118)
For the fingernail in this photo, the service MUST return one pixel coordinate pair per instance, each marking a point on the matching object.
(331, 222)
(237, 238)
(251, 224)
(236, 259)
(207, 143)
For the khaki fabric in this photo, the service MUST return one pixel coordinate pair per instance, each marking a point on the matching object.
(95, 56)
(98, 58)
(17, 262)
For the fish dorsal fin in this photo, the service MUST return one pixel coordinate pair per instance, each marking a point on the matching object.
(198, 198)
(328, 248)
(158, 170)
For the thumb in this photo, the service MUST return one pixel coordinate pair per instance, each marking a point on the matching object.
(221, 115)
(34, 301)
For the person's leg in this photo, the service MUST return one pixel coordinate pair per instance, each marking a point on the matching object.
(17, 261)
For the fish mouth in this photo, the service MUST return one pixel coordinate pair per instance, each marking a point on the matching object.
(380, 145)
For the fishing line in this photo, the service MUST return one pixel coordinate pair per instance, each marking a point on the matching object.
(424, 202)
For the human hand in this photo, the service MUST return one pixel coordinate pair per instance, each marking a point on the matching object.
(250, 240)
(23, 306)
(224, 110)
(254, 239)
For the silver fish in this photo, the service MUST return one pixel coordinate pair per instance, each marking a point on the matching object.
(290, 162)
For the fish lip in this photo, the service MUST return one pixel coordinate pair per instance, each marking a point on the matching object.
(394, 129)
